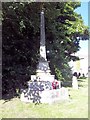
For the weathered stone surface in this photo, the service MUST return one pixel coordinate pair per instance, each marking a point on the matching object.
(42, 92)
(47, 96)
(43, 77)
(43, 65)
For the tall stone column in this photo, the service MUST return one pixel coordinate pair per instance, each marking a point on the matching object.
(42, 38)
(43, 66)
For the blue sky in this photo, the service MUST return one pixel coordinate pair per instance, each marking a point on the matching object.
(83, 10)
(83, 53)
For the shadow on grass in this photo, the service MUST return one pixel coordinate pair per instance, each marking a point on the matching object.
(69, 83)
(81, 80)
(8, 97)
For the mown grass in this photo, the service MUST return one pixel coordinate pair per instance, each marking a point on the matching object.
(76, 107)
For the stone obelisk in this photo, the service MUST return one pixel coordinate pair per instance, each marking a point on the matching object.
(43, 65)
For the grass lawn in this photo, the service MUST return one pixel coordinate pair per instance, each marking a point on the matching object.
(76, 107)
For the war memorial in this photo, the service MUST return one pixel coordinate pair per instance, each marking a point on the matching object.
(43, 88)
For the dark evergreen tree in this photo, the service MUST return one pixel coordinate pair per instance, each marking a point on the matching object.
(21, 38)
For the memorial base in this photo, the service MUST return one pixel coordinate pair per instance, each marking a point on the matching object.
(43, 77)
(49, 96)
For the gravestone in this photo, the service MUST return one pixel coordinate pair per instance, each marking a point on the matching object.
(74, 81)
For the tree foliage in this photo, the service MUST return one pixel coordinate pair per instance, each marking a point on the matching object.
(21, 38)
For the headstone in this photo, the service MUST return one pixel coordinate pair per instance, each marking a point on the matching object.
(74, 81)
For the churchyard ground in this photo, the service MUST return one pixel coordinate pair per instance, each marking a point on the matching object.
(76, 107)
